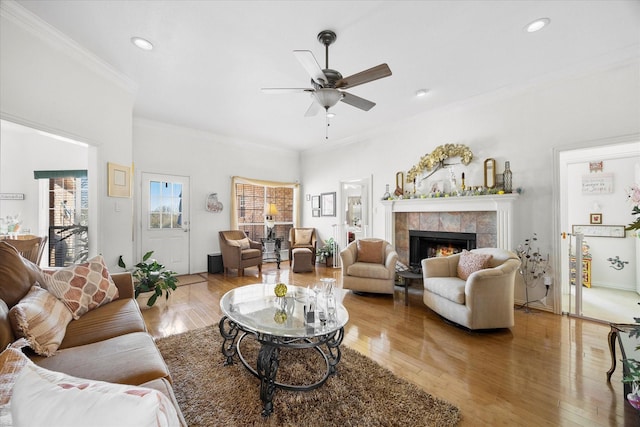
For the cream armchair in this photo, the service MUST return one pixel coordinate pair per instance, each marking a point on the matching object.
(369, 265)
(302, 238)
(238, 252)
(482, 298)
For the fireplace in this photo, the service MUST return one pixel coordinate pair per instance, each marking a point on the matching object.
(429, 244)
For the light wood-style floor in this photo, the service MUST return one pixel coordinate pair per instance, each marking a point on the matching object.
(548, 370)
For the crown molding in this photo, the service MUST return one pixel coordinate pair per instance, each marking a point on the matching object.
(33, 24)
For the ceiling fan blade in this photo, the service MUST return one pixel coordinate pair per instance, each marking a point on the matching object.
(366, 76)
(278, 90)
(313, 109)
(357, 102)
(308, 61)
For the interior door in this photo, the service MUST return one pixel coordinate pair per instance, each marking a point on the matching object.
(165, 220)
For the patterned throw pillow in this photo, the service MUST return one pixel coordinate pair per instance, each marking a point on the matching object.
(82, 287)
(70, 401)
(12, 360)
(302, 236)
(370, 251)
(471, 262)
(41, 319)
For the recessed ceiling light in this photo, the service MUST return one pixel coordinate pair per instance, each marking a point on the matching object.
(422, 92)
(537, 25)
(142, 43)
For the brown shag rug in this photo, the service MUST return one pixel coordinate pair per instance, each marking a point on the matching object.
(362, 393)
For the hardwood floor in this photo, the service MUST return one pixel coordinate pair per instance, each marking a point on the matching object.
(548, 370)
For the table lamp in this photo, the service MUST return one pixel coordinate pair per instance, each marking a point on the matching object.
(269, 213)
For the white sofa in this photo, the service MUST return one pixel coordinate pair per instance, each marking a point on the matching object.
(483, 301)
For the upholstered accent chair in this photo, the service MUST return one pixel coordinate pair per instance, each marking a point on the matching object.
(473, 288)
(29, 247)
(238, 252)
(369, 265)
(302, 238)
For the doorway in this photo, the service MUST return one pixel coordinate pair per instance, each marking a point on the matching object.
(165, 220)
(355, 211)
(592, 184)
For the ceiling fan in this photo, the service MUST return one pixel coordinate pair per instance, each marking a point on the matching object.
(328, 85)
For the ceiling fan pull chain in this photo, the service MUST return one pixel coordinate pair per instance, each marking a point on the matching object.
(326, 135)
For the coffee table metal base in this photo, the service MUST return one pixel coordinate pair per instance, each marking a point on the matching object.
(328, 346)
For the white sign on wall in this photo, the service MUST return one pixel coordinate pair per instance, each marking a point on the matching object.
(598, 183)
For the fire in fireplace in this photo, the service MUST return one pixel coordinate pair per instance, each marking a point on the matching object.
(429, 244)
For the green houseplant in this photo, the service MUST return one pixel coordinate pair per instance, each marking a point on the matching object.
(633, 367)
(326, 252)
(151, 276)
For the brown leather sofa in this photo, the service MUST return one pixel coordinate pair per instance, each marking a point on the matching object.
(238, 252)
(109, 343)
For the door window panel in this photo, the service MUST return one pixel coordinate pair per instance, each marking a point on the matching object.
(165, 201)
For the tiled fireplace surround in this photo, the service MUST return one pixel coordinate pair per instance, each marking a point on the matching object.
(490, 217)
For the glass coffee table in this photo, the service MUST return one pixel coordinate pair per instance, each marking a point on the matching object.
(276, 323)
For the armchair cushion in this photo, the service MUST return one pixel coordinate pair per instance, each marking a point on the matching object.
(302, 236)
(451, 288)
(471, 262)
(368, 270)
(371, 251)
(244, 243)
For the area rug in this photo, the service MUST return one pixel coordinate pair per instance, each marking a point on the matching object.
(190, 279)
(362, 393)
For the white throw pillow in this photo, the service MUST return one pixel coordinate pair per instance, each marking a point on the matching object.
(63, 400)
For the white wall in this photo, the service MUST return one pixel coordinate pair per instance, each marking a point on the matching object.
(48, 83)
(521, 126)
(209, 161)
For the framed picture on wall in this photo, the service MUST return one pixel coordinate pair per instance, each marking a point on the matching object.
(119, 177)
(595, 218)
(328, 204)
(315, 212)
(315, 202)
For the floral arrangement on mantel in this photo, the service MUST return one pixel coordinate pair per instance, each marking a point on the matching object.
(436, 159)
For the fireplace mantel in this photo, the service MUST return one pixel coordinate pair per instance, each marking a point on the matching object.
(501, 204)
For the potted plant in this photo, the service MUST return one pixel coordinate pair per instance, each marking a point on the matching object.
(326, 252)
(151, 276)
(633, 368)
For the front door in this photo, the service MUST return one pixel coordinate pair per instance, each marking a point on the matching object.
(165, 220)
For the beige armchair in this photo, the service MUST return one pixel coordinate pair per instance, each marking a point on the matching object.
(302, 238)
(469, 292)
(238, 252)
(369, 265)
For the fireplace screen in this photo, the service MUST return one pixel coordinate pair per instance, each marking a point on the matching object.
(429, 244)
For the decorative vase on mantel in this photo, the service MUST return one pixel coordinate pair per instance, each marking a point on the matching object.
(507, 178)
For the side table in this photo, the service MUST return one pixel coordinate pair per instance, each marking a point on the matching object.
(407, 277)
(271, 249)
(620, 332)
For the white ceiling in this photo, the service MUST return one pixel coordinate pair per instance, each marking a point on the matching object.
(212, 57)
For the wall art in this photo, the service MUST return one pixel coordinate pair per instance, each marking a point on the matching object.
(119, 180)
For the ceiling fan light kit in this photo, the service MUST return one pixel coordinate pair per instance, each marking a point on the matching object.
(328, 84)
